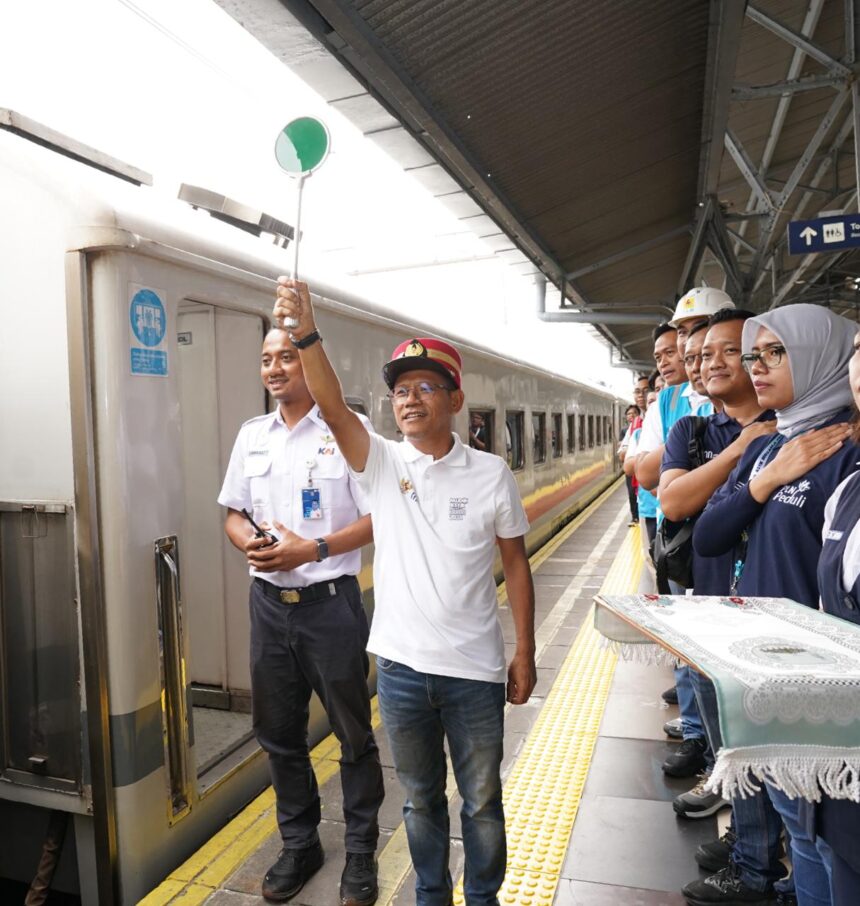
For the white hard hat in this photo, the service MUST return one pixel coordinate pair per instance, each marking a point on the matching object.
(700, 302)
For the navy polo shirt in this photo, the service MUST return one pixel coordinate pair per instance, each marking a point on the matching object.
(711, 575)
(784, 532)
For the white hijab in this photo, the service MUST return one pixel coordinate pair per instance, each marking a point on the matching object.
(819, 344)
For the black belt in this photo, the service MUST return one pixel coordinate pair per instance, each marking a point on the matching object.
(320, 591)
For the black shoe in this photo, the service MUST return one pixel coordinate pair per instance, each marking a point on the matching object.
(670, 696)
(358, 886)
(672, 728)
(715, 856)
(786, 899)
(698, 802)
(688, 760)
(288, 875)
(725, 888)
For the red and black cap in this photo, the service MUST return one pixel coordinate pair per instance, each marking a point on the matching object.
(420, 354)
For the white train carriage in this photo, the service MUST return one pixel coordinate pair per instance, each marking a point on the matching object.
(130, 356)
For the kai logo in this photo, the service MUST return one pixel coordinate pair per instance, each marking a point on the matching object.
(406, 487)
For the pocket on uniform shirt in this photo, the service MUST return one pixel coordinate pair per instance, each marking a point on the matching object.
(257, 469)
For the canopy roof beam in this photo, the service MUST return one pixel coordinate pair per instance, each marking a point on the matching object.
(748, 169)
(742, 92)
(799, 41)
(630, 251)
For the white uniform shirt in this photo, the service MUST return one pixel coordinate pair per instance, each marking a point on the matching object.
(435, 526)
(267, 471)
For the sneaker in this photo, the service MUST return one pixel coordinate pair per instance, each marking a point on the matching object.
(698, 802)
(725, 888)
(786, 899)
(673, 729)
(715, 856)
(358, 886)
(688, 760)
(670, 696)
(288, 875)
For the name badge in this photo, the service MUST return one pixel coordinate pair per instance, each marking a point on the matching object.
(311, 507)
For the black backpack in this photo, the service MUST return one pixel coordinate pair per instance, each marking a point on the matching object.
(673, 544)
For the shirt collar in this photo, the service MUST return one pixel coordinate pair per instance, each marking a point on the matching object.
(314, 416)
(456, 456)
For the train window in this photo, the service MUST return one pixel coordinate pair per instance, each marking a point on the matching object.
(571, 433)
(556, 434)
(590, 431)
(514, 436)
(357, 405)
(581, 432)
(607, 429)
(482, 429)
(539, 438)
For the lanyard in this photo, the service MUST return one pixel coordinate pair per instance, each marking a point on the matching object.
(758, 465)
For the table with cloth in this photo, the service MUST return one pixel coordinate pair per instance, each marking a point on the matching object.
(787, 679)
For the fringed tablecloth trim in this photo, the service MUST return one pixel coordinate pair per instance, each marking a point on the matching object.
(799, 771)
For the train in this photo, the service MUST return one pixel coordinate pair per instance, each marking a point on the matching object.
(132, 325)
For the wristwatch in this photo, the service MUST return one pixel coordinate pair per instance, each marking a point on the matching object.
(322, 549)
(309, 340)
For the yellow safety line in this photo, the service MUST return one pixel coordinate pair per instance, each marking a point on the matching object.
(543, 791)
(208, 868)
(541, 556)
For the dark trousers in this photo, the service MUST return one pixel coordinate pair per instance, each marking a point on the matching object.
(632, 498)
(317, 647)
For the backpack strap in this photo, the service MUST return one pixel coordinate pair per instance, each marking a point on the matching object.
(696, 447)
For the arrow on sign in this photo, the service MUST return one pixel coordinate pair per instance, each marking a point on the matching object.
(808, 234)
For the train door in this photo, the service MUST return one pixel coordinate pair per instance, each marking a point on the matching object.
(218, 354)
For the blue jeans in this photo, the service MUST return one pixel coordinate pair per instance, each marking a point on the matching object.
(758, 828)
(420, 710)
(691, 722)
(706, 701)
(811, 883)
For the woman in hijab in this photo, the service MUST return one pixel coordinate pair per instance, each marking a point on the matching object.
(771, 509)
(837, 821)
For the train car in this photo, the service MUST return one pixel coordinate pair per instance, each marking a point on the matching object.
(131, 334)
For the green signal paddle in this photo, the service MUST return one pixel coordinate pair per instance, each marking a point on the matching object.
(300, 149)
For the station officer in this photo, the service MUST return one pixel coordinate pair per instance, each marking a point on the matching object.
(308, 625)
(439, 510)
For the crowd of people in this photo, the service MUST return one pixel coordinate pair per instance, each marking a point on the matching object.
(741, 411)
(751, 408)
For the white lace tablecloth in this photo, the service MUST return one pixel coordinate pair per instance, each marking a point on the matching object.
(787, 679)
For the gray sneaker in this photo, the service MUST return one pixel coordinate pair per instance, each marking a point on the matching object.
(697, 802)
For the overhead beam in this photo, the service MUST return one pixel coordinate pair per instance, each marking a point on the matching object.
(697, 244)
(743, 92)
(725, 25)
(630, 251)
(602, 317)
(807, 29)
(797, 40)
(748, 169)
(769, 226)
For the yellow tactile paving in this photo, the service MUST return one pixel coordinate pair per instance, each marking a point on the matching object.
(543, 791)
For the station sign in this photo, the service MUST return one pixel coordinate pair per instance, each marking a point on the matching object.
(825, 234)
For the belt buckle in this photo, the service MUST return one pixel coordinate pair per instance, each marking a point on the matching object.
(290, 596)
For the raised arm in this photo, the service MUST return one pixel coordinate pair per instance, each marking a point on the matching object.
(294, 301)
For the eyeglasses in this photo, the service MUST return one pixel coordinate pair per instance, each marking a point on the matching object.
(690, 360)
(423, 389)
(770, 357)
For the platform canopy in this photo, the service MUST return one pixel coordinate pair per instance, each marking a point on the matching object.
(622, 151)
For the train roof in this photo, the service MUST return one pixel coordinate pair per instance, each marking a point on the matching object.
(101, 206)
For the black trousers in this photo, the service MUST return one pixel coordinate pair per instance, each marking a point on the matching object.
(632, 499)
(319, 647)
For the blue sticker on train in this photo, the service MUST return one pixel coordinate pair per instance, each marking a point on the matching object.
(148, 361)
(148, 320)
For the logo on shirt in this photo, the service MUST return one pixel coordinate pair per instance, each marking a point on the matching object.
(457, 508)
(325, 451)
(406, 487)
(793, 494)
(831, 535)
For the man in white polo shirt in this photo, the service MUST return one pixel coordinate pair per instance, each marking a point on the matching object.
(439, 509)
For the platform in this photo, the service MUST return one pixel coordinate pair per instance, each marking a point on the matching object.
(588, 809)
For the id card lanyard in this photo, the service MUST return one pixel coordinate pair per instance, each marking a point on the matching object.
(762, 460)
(311, 504)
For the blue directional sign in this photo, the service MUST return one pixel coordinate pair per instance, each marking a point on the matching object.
(826, 234)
